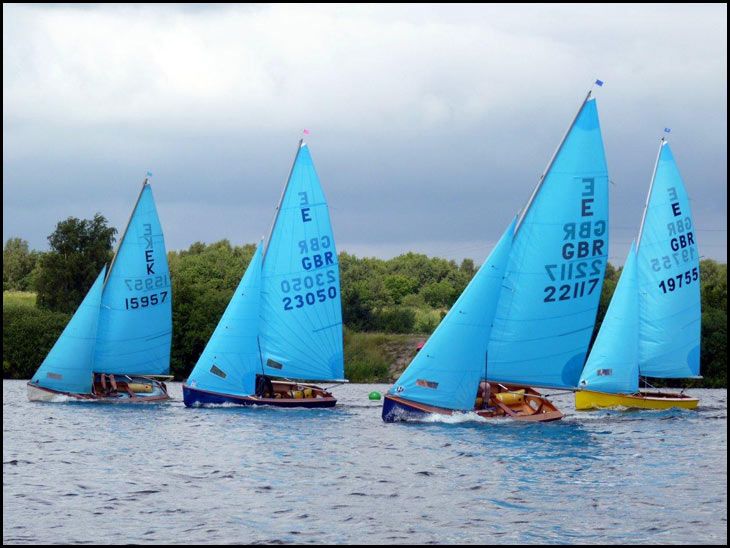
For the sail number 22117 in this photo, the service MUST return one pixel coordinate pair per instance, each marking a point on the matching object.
(570, 291)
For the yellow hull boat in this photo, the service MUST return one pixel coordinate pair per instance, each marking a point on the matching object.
(587, 399)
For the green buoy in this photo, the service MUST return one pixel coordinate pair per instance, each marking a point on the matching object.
(374, 395)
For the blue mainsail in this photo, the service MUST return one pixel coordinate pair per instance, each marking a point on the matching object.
(446, 371)
(669, 278)
(613, 364)
(547, 308)
(68, 367)
(301, 316)
(135, 320)
(231, 359)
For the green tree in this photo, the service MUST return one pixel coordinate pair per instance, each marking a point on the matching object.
(439, 294)
(468, 268)
(79, 250)
(19, 264)
(610, 280)
(713, 346)
(28, 335)
(399, 286)
(204, 278)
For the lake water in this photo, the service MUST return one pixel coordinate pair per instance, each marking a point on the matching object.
(110, 474)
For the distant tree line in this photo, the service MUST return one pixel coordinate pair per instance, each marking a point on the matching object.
(406, 294)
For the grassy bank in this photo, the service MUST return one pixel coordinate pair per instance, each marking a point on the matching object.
(378, 357)
(19, 298)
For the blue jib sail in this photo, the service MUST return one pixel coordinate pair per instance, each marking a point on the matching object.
(613, 364)
(135, 321)
(553, 281)
(669, 278)
(301, 315)
(446, 371)
(231, 359)
(68, 366)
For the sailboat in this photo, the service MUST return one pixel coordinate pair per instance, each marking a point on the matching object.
(526, 318)
(652, 326)
(282, 330)
(116, 347)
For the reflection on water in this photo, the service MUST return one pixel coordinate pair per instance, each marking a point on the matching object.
(90, 473)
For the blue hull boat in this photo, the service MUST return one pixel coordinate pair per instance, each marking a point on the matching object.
(285, 394)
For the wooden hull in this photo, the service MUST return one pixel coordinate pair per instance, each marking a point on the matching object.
(320, 398)
(587, 399)
(120, 394)
(531, 408)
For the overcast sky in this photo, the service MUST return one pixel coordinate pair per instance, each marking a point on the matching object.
(430, 125)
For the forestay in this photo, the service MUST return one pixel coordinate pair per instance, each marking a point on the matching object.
(301, 316)
(68, 366)
(231, 359)
(547, 308)
(135, 321)
(669, 278)
(446, 371)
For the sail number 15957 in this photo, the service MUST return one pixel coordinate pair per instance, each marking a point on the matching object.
(145, 301)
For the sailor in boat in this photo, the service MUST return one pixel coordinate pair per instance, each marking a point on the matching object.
(264, 387)
(484, 395)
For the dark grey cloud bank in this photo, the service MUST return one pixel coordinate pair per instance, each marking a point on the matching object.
(430, 125)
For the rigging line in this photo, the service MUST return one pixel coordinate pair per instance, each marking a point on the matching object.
(586, 310)
(570, 351)
(662, 142)
(281, 200)
(126, 228)
(545, 173)
(541, 396)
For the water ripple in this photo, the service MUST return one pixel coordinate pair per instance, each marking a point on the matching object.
(87, 474)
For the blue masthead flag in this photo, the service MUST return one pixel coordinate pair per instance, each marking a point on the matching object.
(667, 130)
(599, 82)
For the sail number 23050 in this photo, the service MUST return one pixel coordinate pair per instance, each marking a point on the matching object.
(298, 301)
(321, 284)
